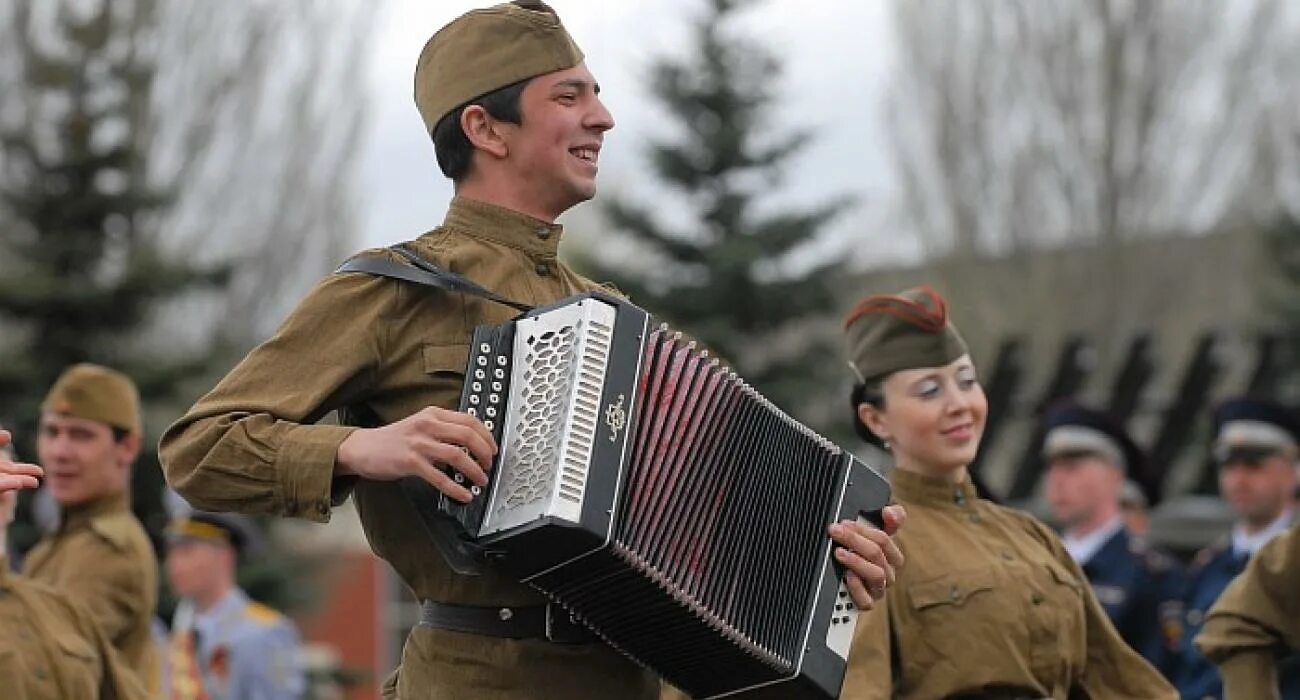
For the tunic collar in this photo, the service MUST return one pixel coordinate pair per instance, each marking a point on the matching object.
(504, 226)
(81, 515)
(918, 489)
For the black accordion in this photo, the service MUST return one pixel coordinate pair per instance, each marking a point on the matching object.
(663, 502)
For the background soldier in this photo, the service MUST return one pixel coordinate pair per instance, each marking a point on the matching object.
(1088, 457)
(1254, 446)
(518, 126)
(224, 645)
(1256, 621)
(100, 555)
(50, 648)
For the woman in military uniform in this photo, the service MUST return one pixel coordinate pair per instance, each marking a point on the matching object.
(990, 604)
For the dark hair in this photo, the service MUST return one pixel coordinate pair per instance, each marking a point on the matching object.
(450, 144)
(871, 392)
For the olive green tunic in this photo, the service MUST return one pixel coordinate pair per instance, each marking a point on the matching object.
(988, 604)
(101, 557)
(1255, 620)
(51, 649)
(377, 350)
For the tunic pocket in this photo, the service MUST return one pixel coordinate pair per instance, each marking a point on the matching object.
(444, 370)
(950, 590)
(13, 673)
(445, 359)
(79, 666)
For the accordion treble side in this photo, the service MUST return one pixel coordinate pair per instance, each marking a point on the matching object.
(661, 500)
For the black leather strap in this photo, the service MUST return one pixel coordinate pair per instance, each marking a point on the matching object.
(547, 622)
(423, 272)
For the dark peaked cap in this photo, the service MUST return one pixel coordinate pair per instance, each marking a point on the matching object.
(1070, 427)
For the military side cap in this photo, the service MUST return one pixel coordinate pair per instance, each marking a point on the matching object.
(96, 393)
(1071, 429)
(232, 529)
(1252, 428)
(488, 49)
(886, 333)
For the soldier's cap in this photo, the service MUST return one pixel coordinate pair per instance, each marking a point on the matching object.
(487, 49)
(1071, 429)
(96, 393)
(1252, 429)
(886, 333)
(237, 531)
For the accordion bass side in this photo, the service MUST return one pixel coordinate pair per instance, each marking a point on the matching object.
(659, 499)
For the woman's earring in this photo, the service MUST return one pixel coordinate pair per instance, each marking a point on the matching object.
(886, 445)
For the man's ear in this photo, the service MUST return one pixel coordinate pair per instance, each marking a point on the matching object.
(128, 448)
(483, 131)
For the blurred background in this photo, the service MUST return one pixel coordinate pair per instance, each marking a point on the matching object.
(1105, 190)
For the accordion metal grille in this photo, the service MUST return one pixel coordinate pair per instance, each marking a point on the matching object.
(551, 360)
(720, 524)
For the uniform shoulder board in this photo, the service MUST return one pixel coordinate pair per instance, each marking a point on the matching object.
(114, 529)
(260, 613)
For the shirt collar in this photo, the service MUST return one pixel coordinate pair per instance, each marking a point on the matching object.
(5, 574)
(912, 488)
(489, 222)
(1083, 549)
(81, 515)
(232, 602)
(1244, 544)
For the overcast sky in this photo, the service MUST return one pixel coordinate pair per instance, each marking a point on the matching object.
(836, 62)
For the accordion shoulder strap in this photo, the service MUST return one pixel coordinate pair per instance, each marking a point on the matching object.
(423, 272)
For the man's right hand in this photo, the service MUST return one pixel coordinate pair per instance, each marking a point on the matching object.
(421, 445)
(16, 475)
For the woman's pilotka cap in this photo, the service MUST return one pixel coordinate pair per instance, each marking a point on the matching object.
(886, 333)
(488, 49)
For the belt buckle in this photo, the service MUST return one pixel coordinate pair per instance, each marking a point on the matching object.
(562, 628)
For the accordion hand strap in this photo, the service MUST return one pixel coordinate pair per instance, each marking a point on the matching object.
(423, 272)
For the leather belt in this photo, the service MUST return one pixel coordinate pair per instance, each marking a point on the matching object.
(549, 622)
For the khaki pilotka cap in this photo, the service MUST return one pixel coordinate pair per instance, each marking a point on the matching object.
(909, 330)
(486, 50)
(96, 393)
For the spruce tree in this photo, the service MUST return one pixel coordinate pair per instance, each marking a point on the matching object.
(81, 268)
(725, 276)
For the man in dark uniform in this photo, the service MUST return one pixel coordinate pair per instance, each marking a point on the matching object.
(1255, 443)
(518, 126)
(89, 437)
(1090, 458)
